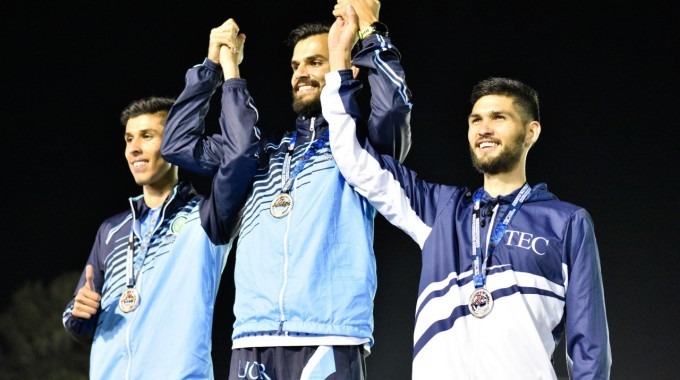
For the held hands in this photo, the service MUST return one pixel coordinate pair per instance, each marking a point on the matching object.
(342, 36)
(87, 300)
(226, 47)
(367, 10)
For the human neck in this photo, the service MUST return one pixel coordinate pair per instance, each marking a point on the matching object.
(503, 183)
(154, 196)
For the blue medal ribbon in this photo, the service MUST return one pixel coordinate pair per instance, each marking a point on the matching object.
(479, 271)
(313, 148)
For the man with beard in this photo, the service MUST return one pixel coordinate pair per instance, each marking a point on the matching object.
(508, 269)
(305, 274)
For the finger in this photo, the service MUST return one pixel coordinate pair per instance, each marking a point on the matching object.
(82, 310)
(241, 41)
(339, 10)
(89, 277)
(350, 12)
(86, 303)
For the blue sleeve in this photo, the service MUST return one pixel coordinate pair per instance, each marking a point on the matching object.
(233, 180)
(389, 128)
(83, 329)
(185, 143)
(587, 333)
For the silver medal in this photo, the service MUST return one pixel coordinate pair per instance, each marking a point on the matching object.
(281, 205)
(481, 303)
(128, 300)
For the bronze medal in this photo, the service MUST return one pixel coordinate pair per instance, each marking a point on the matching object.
(281, 205)
(129, 300)
(481, 303)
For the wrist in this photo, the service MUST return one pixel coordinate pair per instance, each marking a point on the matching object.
(376, 27)
(339, 60)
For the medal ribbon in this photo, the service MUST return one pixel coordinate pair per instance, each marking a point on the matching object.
(129, 262)
(479, 271)
(286, 178)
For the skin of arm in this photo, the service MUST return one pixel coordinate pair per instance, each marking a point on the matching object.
(342, 37)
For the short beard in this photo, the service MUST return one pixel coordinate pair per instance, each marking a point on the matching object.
(506, 160)
(306, 107)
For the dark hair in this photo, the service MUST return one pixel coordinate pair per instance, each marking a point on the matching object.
(524, 96)
(306, 30)
(148, 105)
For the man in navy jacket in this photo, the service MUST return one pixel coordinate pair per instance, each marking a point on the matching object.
(507, 269)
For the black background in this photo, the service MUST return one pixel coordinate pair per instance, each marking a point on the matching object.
(607, 77)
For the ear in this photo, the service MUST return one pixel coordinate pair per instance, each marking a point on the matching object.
(534, 130)
(355, 72)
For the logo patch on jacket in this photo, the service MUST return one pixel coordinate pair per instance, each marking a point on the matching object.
(177, 224)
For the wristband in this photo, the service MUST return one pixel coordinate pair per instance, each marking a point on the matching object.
(375, 28)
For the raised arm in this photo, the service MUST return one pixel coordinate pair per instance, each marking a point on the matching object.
(185, 142)
(389, 128)
(394, 190)
(232, 182)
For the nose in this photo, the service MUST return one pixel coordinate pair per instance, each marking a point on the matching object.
(484, 128)
(300, 71)
(133, 145)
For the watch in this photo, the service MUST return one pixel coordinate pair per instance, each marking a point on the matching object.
(375, 28)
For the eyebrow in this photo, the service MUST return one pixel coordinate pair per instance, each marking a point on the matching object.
(310, 58)
(141, 131)
(491, 113)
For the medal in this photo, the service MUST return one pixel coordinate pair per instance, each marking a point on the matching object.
(481, 303)
(281, 205)
(128, 300)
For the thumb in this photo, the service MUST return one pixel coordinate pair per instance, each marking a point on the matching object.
(89, 277)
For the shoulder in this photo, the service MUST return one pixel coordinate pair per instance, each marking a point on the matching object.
(116, 220)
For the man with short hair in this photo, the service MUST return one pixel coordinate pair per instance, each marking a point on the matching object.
(507, 269)
(305, 271)
(146, 297)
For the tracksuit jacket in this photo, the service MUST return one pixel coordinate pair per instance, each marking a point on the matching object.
(169, 335)
(544, 274)
(311, 273)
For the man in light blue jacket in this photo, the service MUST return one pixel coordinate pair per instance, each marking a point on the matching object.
(305, 270)
(146, 297)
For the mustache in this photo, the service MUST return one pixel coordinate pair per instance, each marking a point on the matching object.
(306, 82)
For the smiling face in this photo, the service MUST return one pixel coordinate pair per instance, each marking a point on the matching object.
(310, 65)
(498, 137)
(143, 136)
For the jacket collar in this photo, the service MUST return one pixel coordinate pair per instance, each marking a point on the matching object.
(303, 128)
(180, 195)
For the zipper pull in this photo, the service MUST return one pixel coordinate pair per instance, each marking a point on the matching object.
(312, 129)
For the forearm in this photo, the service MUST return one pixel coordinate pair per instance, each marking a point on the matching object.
(79, 329)
(184, 141)
(232, 182)
(389, 127)
(378, 178)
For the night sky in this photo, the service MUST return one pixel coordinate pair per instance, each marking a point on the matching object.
(607, 78)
